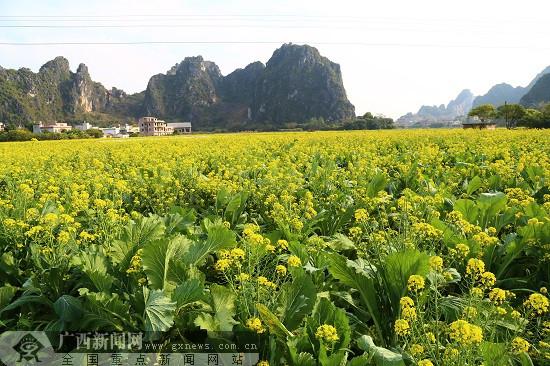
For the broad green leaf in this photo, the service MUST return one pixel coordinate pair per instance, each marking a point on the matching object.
(474, 185)
(304, 359)
(377, 183)
(340, 242)
(102, 281)
(188, 292)
(159, 311)
(397, 269)
(222, 303)
(381, 356)
(362, 360)
(104, 312)
(157, 257)
(135, 235)
(494, 354)
(341, 269)
(179, 220)
(468, 209)
(490, 204)
(68, 308)
(297, 301)
(219, 237)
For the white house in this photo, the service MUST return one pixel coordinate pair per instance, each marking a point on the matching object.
(85, 126)
(115, 132)
(180, 127)
(57, 127)
(2, 127)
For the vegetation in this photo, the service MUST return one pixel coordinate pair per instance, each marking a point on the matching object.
(514, 115)
(344, 248)
(16, 134)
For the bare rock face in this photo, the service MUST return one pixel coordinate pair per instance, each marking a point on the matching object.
(296, 85)
(185, 91)
(299, 84)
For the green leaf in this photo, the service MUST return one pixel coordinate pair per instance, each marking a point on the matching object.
(188, 292)
(157, 257)
(219, 237)
(179, 220)
(327, 313)
(398, 268)
(340, 242)
(159, 311)
(273, 323)
(68, 308)
(382, 356)
(6, 295)
(494, 354)
(490, 204)
(297, 301)
(377, 183)
(359, 360)
(104, 312)
(474, 185)
(468, 209)
(222, 303)
(26, 299)
(346, 272)
(304, 359)
(135, 235)
(102, 281)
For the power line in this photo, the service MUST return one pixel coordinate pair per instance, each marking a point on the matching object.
(364, 44)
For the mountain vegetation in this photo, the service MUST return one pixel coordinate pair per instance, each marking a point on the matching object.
(295, 86)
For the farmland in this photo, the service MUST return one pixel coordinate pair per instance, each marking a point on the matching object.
(389, 247)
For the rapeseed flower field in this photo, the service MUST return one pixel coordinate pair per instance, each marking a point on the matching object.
(344, 248)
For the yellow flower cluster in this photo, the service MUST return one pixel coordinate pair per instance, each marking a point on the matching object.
(402, 327)
(415, 283)
(475, 268)
(361, 215)
(436, 263)
(256, 325)
(465, 333)
(327, 333)
(537, 303)
(520, 345)
(408, 310)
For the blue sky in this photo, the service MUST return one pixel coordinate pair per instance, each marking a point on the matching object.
(394, 55)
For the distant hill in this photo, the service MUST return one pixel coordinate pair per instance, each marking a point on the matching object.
(503, 92)
(496, 95)
(430, 114)
(538, 94)
(499, 94)
(297, 84)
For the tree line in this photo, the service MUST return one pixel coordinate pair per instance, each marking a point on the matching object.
(513, 115)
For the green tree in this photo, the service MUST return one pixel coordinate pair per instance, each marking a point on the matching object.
(511, 114)
(484, 112)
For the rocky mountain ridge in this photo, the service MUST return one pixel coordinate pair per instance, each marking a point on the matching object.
(297, 84)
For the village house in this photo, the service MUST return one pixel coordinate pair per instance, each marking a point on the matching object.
(56, 127)
(180, 127)
(476, 123)
(84, 126)
(2, 127)
(151, 126)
